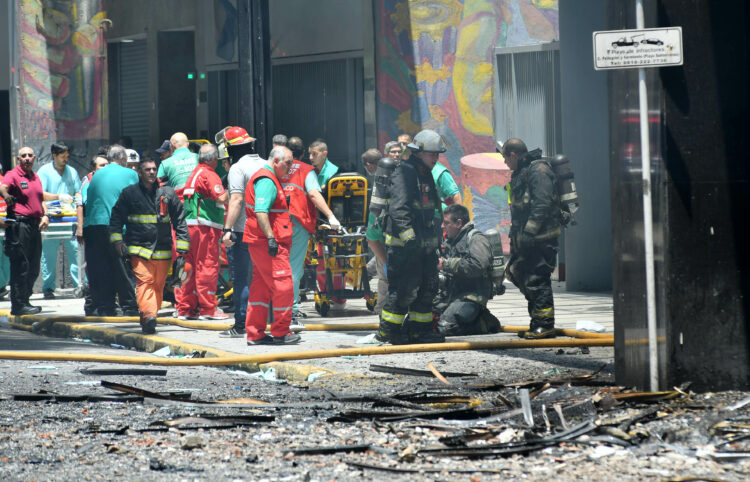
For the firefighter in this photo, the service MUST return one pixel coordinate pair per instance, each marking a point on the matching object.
(268, 233)
(535, 227)
(147, 211)
(411, 245)
(466, 277)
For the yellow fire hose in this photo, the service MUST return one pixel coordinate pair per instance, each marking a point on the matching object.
(306, 355)
(200, 325)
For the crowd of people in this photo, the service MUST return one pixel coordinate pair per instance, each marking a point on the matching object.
(140, 218)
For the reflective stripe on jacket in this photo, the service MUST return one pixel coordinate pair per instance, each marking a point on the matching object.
(148, 218)
(199, 209)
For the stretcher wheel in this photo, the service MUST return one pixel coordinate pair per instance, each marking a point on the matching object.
(322, 305)
(371, 302)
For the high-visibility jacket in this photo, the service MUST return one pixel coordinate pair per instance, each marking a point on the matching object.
(149, 217)
(300, 205)
(278, 215)
(201, 189)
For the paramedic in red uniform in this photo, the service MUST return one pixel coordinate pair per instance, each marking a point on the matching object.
(268, 233)
(204, 197)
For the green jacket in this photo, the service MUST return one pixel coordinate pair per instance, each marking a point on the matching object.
(177, 168)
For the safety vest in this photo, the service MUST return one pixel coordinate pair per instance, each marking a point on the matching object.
(300, 205)
(278, 215)
(199, 209)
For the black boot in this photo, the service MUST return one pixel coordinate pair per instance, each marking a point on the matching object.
(148, 325)
(419, 333)
(538, 333)
(390, 333)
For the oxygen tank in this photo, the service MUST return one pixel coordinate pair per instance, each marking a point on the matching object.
(566, 186)
(498, 262)
(381, 190)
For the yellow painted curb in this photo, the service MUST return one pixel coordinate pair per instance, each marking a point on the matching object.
(55, 326)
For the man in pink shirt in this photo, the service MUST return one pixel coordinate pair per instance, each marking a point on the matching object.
(27, 217)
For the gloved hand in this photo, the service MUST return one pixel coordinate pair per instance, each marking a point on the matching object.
(334, 223)
(385, 271)
(273, 247)
(65, 198)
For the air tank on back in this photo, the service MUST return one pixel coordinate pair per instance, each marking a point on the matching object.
(498, 262)
(566, 186)
(381, 191)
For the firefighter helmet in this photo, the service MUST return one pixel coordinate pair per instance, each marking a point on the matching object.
(236, 136)
(428, 141)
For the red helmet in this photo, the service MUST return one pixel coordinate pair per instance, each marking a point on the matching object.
(236, 136)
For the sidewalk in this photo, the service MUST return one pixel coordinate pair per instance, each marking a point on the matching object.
(509, 308)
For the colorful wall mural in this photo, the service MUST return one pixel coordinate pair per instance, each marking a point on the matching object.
(434, 71)
(62, 70)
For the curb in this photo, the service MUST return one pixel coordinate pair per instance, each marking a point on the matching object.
(43, 326)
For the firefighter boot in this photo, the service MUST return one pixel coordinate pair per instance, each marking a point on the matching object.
(390, 328)
(538, 333)
(419, 329)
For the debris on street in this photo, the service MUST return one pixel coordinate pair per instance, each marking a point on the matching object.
(569, 425)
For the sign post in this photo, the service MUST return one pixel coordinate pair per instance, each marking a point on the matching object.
(642, 48)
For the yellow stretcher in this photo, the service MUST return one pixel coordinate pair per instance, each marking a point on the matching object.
(341, 264)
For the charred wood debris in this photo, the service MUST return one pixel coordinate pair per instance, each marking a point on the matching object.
(471, 418)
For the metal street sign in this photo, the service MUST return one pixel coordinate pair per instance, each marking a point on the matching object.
(632, 49)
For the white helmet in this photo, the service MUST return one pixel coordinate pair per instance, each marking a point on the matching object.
(428, 141)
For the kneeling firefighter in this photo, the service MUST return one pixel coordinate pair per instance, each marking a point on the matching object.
(411, 245)
(466, 272)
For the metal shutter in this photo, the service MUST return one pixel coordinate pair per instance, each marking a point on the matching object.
(322, 99)
(527, 96)
(133, 93)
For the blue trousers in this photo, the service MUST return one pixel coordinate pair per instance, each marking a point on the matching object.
(300, 238)
(49, 261)
(242, 271)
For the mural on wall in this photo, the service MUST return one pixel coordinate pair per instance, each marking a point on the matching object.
(62, 70)
(434, 71)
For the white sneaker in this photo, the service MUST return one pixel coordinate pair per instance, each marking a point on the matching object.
(218, 314)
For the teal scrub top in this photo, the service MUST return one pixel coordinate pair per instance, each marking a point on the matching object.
(103, 192)
(327, 172)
